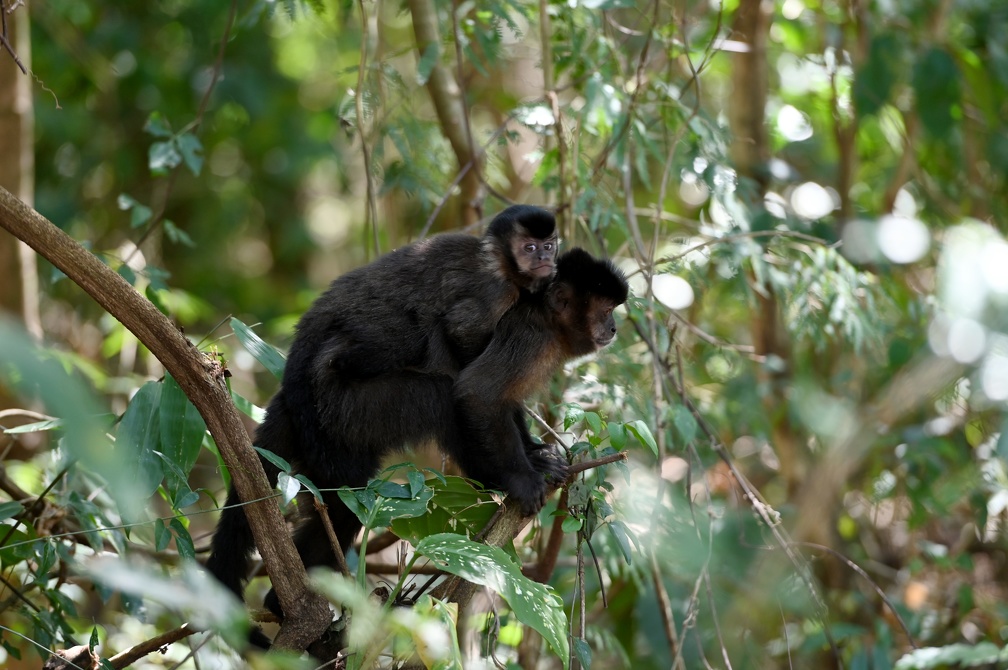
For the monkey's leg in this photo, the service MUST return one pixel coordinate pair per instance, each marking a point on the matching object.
(312, 540)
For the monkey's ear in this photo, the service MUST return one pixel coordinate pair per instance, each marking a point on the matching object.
(560, 295)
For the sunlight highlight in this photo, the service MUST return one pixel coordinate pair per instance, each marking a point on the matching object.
(672, 291)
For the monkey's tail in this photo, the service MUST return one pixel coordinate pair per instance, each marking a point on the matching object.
(232, 546)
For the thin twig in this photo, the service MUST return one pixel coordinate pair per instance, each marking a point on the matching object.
(370, 211)
(323, 512)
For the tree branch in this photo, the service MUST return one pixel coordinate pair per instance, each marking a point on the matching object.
(202, 381)
(448, 103)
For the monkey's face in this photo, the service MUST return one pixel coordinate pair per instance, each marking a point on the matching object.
(535, 256)
(601, 321)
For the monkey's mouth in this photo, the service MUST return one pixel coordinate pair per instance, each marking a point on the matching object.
(544, 270)
(602, 342)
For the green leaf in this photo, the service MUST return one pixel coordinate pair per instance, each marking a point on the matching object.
(140, 215)
(571, 524)
(192, 152)
(273, 458)
(10, 509)
(247, 407)
(619, 532)
(617, 435)
(936, 83)
(684, 422)
(267, 355)
(533, 604)
(138, 438)
(157, 125)
(643, 434)
(162, 536)
(183, 541)
(573, 414)
(359, 502)
(388, 509)
(594, 422)
(288, 486)
(162, 158)
(457, 507)
(176, 234)
(309, 485)
(583, 652)
(38, 426)
(126, 272)
(182, 427)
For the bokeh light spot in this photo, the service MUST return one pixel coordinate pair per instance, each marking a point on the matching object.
(672, 291)
(811, 201)
(902, 239)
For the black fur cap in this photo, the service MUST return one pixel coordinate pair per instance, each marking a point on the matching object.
(590, 275)
(536, 220)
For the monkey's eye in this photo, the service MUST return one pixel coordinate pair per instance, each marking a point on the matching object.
(548, 246)
(530, 247)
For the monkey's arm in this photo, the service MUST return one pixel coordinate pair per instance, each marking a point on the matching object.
(494, 443)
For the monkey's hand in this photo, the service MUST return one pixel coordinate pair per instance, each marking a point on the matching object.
(528, 490)
(550, 464)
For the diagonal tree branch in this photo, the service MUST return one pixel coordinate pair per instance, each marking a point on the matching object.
(202, 380)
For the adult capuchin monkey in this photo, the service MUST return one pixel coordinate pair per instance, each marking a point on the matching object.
(475, 417)
(427, 308)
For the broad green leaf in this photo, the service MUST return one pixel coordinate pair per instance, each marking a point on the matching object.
(10, 509)
(457, 507)
(534, 604)
(138, 438)
(643, 434)
(266, 354)
(182, 427)
(388, 509)
(571, 524)
(594, 422)
(572, 415)
(617, 435)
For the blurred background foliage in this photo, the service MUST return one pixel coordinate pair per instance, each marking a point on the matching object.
(809, 197)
